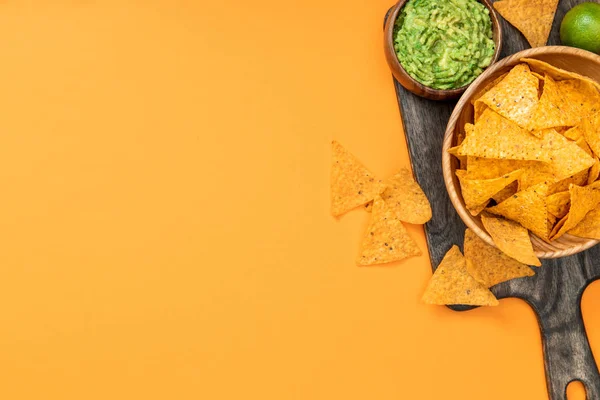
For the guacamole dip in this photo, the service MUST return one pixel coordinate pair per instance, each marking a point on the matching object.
(444, 44)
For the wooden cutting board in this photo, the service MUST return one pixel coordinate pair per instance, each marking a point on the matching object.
(555, 291)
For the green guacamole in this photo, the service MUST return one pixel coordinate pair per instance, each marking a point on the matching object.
(444, 44)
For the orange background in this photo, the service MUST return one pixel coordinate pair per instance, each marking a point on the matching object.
(165, 220)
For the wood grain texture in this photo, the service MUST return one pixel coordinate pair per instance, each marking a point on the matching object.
(555, 291)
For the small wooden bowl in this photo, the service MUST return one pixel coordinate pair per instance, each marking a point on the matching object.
(408, 81)
(568, 58)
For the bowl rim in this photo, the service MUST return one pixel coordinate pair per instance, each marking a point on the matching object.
(446, 93)
(573, 244)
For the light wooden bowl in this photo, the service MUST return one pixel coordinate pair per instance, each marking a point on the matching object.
(568, 58)
(411, 84)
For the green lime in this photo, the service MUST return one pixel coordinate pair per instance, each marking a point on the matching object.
(581, 27)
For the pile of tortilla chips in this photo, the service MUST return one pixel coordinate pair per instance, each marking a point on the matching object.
(532, 17)
(528, 164)
(391, 202)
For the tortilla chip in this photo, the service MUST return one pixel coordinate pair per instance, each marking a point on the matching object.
(527, 207)
(406, 198)
(489, 266)
(515, 97)
(533, 18)
(488, 168)
(583, 144)
(479, 109)
(496, 137)
(556, 73)
(589, 227)
(477, 191)
(452, 284)
(583, 200)
(554, 108)
(559, 204)
(568, 159)
(551, 222)
(386, 239)
(487, 87)
(579, 179)
(506, 192)
(511, 238)
(591, 132)
(594, 172)
(352, 184)
(540, 77)
(573, 133)
(582, 96)
(462, 160)
(475, 211)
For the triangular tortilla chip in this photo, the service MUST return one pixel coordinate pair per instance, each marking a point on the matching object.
(478, 191)
(591, 132)
(489, 266)
(406, 198)
(582, 96)
(487, 87)
(554, 108)
(488, 168)
(568, 159)
(589, 227)
(386, 239)
(506, 192)
(594, 172)
(532, 17)
(511, 238)
(556, 73)
(579, 179)
(515, 97)
(452, 284)
(527, 207)
(583, 200)
(559, 203)
(352, 184)
(573, 133)
(496, 137)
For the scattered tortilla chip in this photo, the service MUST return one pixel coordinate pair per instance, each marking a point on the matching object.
(591, 132)
(477, 191)
(559, 204)
(533, 18)
(573, 133)
(506, 192)
(589, 227)
(406, 198)
(496, 137)
(386, 239)
(452, 284)
(352, 184)
(583, 200)
(488, 168)
(527, 207)
(554, 108)
(488, 87)
(489, 266)
(556, 73)
(511, 238)
(515, 97)
(568, 159)
(594, 172)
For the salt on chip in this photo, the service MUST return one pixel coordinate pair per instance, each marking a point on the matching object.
(527, 207)
(515, 97)
(506, 192)
(386, 239)
(594, 172)
(352, 184)
(583, 200)
(559, 204)
(511, 238)
(405, 196)
(589, 227)
(556, 73)
(489, 266)
(452, 284)
(477, 191)
(496, 137)
(533, 18)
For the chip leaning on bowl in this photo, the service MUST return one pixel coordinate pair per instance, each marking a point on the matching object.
(538, 126)
(444, 44)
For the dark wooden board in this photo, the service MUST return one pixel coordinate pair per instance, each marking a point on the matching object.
(555, 291)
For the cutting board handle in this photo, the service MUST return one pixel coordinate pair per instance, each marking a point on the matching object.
(567, 353)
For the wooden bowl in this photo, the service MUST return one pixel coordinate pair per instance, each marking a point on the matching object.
(568, 58)
(408, 81)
